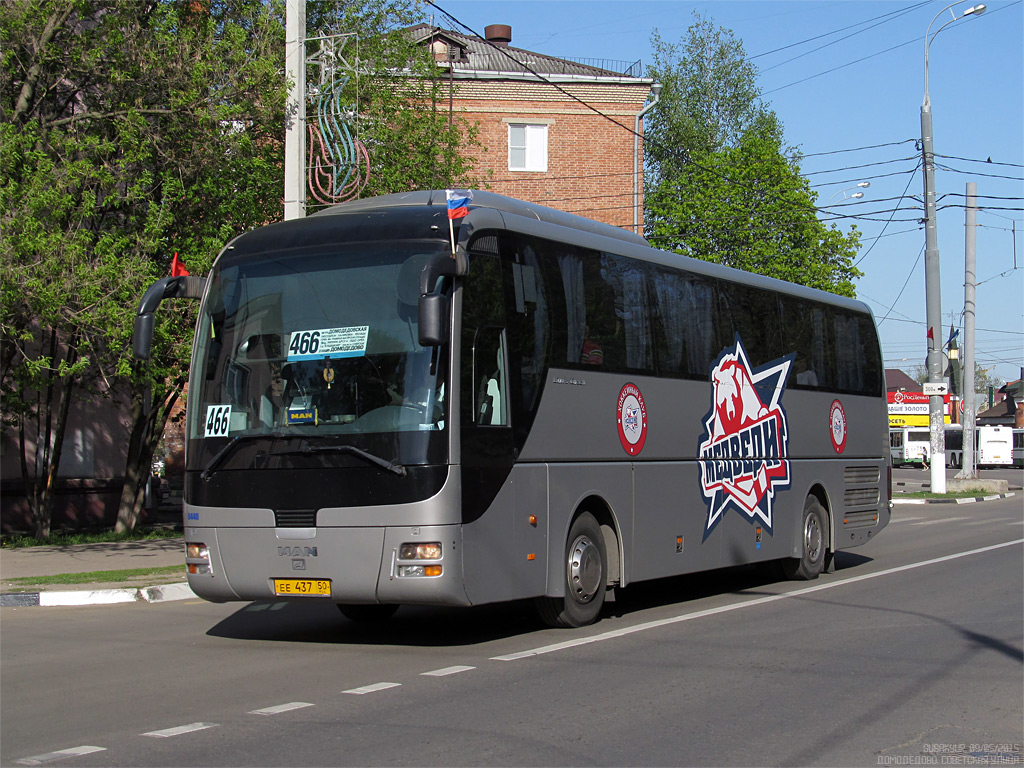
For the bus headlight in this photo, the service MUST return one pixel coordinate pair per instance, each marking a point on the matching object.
(431, 551)
(413, 552)
(196, 551)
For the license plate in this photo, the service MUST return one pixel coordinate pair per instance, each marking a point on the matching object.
(302, 587)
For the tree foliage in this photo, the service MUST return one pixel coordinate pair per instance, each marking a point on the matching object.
(131, 130)
(721, 186)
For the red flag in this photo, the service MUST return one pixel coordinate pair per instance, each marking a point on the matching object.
(931, 334)
(178, 267)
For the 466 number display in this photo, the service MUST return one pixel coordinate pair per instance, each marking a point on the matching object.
(218, 420)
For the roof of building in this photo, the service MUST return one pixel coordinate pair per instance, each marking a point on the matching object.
(895, 380)
(470, 52)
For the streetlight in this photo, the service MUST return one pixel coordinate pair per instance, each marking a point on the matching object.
(854, 196)
(656, 92)
(933, 308)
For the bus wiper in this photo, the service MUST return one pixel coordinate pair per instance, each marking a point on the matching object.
(390, 466)
(223, 452)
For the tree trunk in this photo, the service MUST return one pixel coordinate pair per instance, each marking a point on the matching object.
(147, 429)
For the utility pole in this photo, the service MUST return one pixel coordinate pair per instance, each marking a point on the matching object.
(969, 470)
(933, 309)
(295, 111)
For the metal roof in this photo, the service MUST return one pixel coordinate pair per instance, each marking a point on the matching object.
(481, 56)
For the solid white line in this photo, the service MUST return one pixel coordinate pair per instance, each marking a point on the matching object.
(62, 754)
(447, 671)
(372, 688)
(942, 520)
(748, 604)
(990, 520)
(179, 730)
(281, 708)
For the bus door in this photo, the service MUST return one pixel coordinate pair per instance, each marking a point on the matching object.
(497, 497)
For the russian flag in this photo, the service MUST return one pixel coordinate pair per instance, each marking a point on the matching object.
(458, 202)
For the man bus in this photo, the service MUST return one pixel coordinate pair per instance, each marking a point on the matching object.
(376, 421)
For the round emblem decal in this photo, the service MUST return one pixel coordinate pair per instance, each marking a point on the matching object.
(632, 418)
(837, 426)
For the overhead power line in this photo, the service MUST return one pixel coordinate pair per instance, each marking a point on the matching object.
(683, 155)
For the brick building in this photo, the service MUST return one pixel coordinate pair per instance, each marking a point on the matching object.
(540, 144)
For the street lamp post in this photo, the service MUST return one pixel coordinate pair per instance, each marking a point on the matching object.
(854, 196)
(933, 304)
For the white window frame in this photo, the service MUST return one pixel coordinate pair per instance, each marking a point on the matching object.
(528, 144)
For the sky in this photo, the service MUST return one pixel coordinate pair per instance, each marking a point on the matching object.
(847, 81)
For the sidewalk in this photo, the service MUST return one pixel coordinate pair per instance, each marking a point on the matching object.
(36, 562)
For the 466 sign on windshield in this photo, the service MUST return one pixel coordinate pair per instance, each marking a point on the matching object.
(328, 342)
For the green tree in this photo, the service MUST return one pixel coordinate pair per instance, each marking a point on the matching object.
(748, 207)
(133, 130)
(721, 185)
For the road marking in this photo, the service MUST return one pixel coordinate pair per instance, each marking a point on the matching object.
(991, 520)
(281, 708)
(61, 754)
(942, 520)
(372, 688)
(616, 633)
(179, 730)
(905, 519)
(446, 671)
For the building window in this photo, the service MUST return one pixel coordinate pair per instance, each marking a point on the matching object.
(527, 147)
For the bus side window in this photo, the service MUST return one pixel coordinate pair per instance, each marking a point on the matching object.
(491, 380)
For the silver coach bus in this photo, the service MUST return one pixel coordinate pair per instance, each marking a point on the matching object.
(554, 411)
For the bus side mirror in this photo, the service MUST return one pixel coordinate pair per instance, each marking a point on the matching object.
(181, 287)
(142, 336)
(433, 319)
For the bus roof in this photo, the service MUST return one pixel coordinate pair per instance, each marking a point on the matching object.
(489, 209)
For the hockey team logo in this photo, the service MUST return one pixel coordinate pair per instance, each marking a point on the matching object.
(746, 443)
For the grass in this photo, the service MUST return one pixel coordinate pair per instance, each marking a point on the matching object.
(951, 495)
(127, 574)
(63, 538)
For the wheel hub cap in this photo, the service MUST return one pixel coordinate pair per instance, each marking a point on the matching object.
(584, 569)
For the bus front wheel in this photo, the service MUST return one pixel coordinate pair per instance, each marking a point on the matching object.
(813, 543)
(586, 566)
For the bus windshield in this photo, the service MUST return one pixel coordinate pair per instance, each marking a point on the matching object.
(310, 357)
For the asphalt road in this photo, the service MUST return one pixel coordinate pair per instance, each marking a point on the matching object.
(911, 653)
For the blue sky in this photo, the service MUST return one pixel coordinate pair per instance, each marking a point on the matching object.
(861, 88)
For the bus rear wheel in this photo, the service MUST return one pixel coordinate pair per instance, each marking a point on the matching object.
(367, 613)
(814, 542)
(586, 568)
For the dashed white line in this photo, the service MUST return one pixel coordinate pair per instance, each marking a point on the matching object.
(446, 671)
(738, 606)
(281, 708)
(61, 754)
(179, 730)
(372, 688)
(905, 519)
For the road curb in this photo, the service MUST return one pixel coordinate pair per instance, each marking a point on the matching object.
(966, 500)
(156, 594)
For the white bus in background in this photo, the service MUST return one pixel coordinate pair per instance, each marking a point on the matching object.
(995, 446)
(909, 445)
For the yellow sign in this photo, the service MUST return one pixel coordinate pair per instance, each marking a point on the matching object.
(912, 419)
